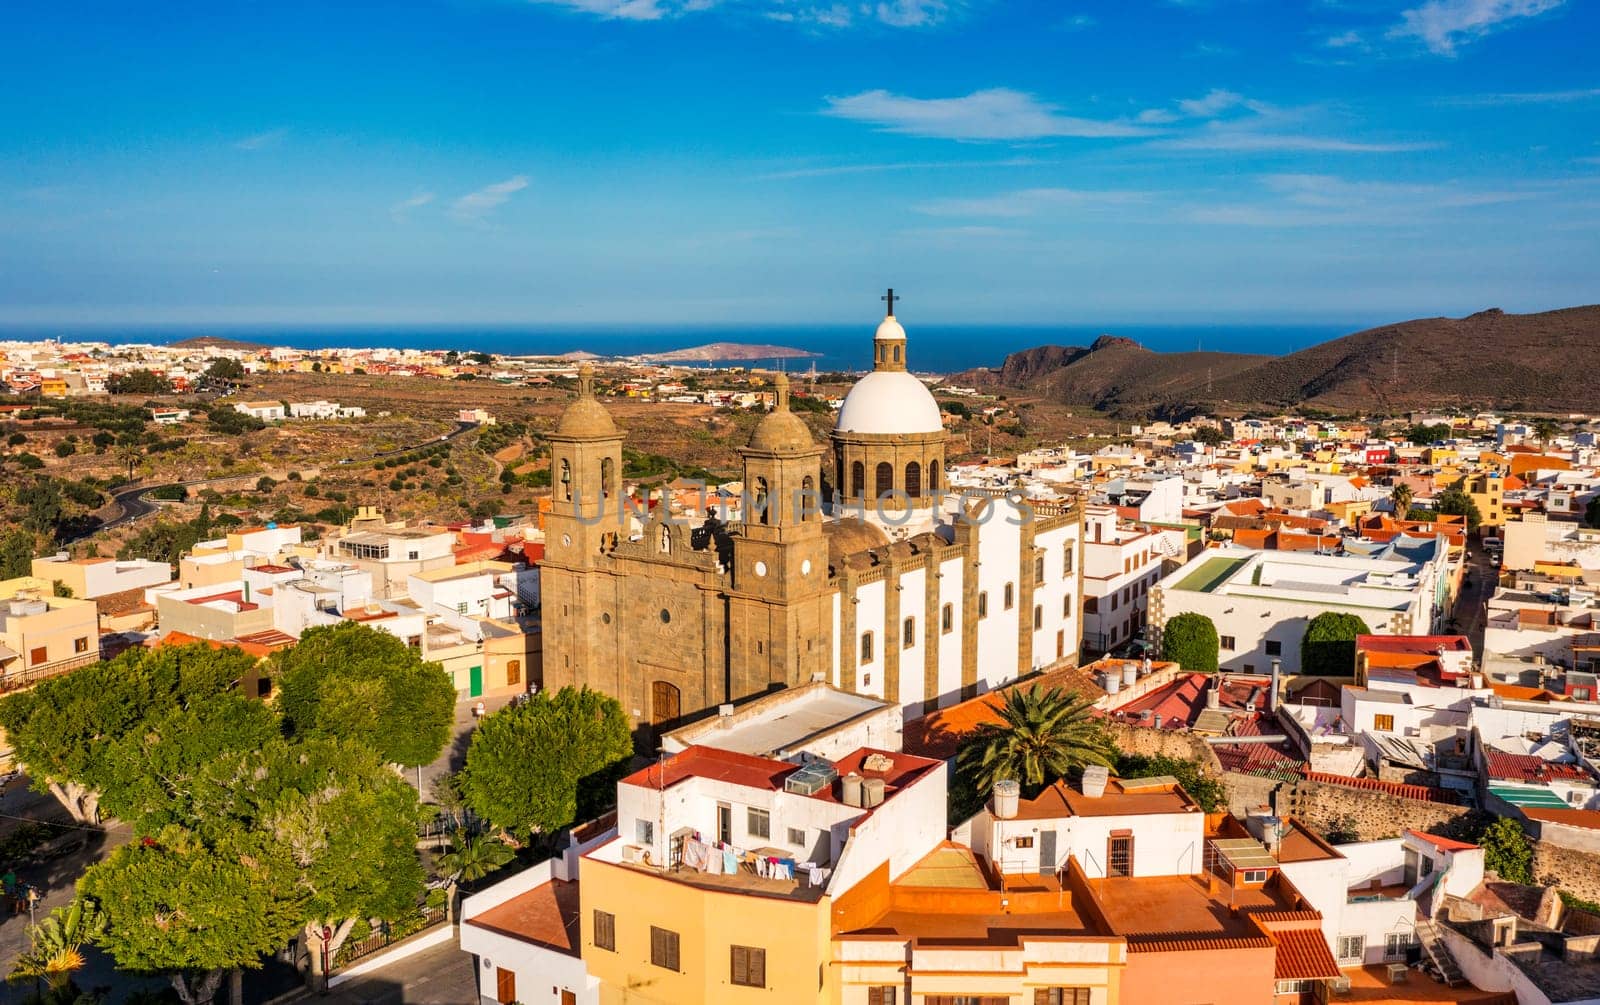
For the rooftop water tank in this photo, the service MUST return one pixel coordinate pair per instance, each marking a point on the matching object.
(1006, 794)
(1130, 673)
(850, 789)
(872, 792)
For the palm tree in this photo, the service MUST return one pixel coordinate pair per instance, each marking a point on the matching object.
(1401, 495)
(57, 941)
(1041, 736)
(472, 859)
(1546, 430)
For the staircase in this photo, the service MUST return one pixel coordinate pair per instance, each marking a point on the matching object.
(1433, 946)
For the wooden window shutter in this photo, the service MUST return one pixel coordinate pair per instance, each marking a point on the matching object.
(1041, 996)
(741, 965)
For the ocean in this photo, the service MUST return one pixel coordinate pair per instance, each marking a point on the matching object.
(931, 348)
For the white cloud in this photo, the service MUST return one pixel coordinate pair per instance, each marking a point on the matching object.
(262, 141)
(1030, 202)
(1308, 200)
(1213, 104)
(1443, 25)
(1346, 40)
(1525, 98)
(479, 204)
(911, 13)
(1247, 137)
(1078, 22)
(400, 209)
(995, 114)
(894, 13)
(824, 171)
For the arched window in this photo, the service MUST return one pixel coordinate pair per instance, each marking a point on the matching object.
(858, 479)
(913, 479)
(885, 479)
(761, 505)
(810, 505)
(933, 476)
(666, 539)
(566, 480)
(897, 354)
(608, 477)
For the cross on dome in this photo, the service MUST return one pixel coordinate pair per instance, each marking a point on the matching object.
(889, 299)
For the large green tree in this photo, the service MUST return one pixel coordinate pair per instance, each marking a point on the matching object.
(1328, 648)
(347, 823)
(151, 771)
(65, 730)
(1190, 640)
(1041, 736)
(357, 683)
(544, 764)
(193, 909)
(1211, 794)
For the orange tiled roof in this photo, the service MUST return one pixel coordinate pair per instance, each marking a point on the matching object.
(1422, 792)
(1570, 817)
(1444, 843)
(937, 734)
(1303, 955)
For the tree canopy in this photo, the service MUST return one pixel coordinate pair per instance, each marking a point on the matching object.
(1190, 640)
(1210, 793)
(357, 683)
(1506, 850)
(1328, 648)
(178, 905)
(549, 762)
(66, 729)
(1454, 501)
(224, 368)
(1041, 736)
(138, 382)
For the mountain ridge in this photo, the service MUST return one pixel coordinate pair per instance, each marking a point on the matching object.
(1489, 359)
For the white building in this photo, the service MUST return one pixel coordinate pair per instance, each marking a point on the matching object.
(1262, 601)
(1120, 565)
(266, 411)
(324, 410)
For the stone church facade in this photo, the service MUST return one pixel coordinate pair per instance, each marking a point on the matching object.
(863, 571)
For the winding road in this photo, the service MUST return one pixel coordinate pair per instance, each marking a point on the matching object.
(132, 502)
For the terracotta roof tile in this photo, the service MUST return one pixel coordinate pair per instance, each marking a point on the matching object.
(1422, 792)
(1303, 955)
(1528, 768)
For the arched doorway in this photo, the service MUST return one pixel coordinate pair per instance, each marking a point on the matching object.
(666, 703)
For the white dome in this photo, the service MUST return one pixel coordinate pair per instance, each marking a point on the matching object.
(889, 401)
(889, 328)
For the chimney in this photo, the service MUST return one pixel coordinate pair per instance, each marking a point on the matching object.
(1273, 695)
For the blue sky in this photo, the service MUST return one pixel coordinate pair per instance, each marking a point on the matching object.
(756, 161)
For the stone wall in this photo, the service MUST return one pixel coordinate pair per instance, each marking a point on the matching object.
(1353, 814)
(1577, 872)
(1163, 742)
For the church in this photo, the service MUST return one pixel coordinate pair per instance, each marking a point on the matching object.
(861, 569)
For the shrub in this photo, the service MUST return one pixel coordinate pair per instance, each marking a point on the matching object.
(1190, 640)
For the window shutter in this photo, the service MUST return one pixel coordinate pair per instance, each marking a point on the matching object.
(1041, 996)
(758, 968)
(741, 965)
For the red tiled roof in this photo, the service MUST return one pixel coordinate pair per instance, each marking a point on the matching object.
(1421, 645)
(1442, 843)
(1303, 955)
(1528, 768)
(546, 915)
(1169, 942)
(763, 773)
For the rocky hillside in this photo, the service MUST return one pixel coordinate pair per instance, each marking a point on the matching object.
(1490, 359)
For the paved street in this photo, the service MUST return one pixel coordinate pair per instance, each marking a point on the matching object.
(1482, 571)
(441, 975)
(455, 752)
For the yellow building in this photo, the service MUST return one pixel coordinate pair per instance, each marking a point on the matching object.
(42, 634)
(1487, 490)
(53, 387)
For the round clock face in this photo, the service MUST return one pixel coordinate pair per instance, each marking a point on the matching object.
(761, 568)
(805, 567)
(566, 540)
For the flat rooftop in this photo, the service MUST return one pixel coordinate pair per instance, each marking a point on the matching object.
(775, 724)
(1183, 907)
